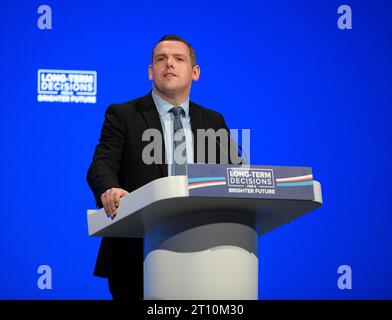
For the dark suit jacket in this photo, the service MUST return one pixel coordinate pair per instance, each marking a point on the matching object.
(117, 162)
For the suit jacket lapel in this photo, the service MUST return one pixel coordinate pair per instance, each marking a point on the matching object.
(197, 122)
(150, 115)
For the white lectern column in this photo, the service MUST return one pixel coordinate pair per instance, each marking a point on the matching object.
(211, 261)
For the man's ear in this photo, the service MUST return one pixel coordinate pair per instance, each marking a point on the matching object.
(150, 77)
(196, 73)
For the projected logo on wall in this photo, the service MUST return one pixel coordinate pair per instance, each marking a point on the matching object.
(68, 86)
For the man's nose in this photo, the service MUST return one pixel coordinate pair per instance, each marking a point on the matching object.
(170, 62)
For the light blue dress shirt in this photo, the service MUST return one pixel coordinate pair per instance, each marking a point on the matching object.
(167, 120)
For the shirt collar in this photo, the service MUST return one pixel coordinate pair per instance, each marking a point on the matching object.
(163, 106)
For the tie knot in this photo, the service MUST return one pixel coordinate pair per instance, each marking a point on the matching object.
(177, 111)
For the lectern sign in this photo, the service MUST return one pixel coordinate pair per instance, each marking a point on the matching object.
(218, 180)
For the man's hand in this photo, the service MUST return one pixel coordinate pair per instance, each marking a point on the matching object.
(111, 200)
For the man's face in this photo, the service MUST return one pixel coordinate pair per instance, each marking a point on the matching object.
(172, 70)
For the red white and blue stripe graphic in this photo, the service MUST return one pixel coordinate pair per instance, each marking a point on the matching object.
(203, 182)
(194, 183)
(295, 181)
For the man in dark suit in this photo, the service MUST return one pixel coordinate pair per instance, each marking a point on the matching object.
(118, 166)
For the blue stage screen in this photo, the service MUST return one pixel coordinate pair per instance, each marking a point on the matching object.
(312, 94)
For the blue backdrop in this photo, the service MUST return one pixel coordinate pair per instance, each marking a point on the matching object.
(312, 95)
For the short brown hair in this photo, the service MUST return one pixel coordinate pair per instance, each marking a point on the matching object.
(173, 37)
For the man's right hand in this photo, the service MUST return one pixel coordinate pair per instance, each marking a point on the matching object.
(111, 200)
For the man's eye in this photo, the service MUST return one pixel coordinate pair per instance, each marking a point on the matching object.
(181, 59)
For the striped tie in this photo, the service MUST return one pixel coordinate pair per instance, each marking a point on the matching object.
(178, 169)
